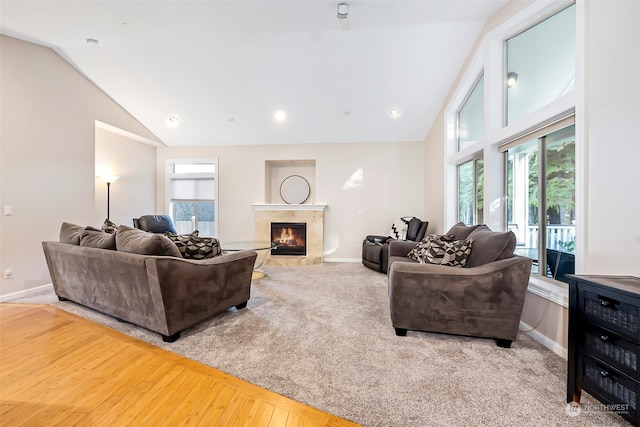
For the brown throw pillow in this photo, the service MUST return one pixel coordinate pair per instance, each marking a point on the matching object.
(452, 254)
(94, 238)
(490, 246)
(461, 231)
(140, 242)
(420, 250)
(71, 233)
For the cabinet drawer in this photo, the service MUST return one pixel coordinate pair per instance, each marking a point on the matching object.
(611, 349)
(609, 312)
(606, 384)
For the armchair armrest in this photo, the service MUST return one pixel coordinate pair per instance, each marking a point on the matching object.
(377, 239)
(400, 248)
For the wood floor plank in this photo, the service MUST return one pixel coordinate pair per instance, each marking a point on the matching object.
(61, 369)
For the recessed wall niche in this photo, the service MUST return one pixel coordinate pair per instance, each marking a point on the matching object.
(277, 170)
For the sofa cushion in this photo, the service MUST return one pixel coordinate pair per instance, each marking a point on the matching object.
(489, 246)
(141, 242)
(419, 251)
(94, 238)
(453, 254)
(461, 231)
(71, 233)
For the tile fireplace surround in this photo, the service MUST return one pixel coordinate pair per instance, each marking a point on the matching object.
(311, 214)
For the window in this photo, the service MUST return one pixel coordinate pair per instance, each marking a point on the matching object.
(541, 200)
(470, 191)
(192, 188)
(471, 117)
(541, 64)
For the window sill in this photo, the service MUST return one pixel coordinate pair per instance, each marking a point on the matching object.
(552, 290)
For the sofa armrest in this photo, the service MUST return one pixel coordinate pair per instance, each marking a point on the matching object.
(400, 248)
(193, 290)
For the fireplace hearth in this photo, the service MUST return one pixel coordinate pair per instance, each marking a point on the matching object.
(290, 238)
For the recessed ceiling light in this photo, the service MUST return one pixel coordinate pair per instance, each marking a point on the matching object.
(93, 41)
(173, 121)
(394, 113)
(280, 116)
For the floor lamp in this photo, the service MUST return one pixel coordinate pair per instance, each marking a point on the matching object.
(109, 180)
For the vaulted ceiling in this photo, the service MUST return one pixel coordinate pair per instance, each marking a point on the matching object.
(224, 68)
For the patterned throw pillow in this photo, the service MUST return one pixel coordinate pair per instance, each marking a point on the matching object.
(109, 226)
(453, 254)
(420, 250)
(202, 248)
(181, 240)
(192, 246)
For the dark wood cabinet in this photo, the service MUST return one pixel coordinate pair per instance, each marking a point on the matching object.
(604, 341)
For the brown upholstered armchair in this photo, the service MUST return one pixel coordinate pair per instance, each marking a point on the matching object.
(483, 299)
(375, 248)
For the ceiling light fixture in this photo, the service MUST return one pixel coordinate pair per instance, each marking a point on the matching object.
(93, 41)
(173, 121)
(394, 113)
(512, 79)
(280, 116)
(343, 11)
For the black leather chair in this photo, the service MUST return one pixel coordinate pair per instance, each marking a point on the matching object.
(155, 223)
(560, 263)
(375, 248)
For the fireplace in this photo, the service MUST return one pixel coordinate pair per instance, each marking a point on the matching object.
(290, 238)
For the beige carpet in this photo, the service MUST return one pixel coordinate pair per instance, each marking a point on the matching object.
(322, 335)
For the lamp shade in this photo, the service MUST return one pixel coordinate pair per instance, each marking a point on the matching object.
(109, 178)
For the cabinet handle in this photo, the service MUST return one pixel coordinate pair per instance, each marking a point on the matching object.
(606, 374)
(606, 302)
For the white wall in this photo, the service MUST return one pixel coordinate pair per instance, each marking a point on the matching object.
(612, 137)
(392, 185)
(134, 193)
(47, 169)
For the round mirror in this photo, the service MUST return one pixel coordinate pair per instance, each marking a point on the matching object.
(294, 190)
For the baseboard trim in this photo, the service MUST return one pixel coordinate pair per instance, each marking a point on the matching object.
(544, 340)
(342, 260)
(25, 293)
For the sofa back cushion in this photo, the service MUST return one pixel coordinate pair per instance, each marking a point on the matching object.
(489, 246)
(95, 238)
(460, 231)
(71, 233)
(141, 242)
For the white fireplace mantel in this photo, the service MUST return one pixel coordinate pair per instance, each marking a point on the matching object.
(286, 207)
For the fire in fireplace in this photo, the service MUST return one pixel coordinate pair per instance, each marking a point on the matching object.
(290, 238)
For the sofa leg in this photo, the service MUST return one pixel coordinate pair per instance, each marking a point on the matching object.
(62, 298)
(171, 338)
(401, 332)
(503, 343)
(241, 305)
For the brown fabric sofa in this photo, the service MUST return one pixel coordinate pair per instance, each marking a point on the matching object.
(163, 293)
(483, 299)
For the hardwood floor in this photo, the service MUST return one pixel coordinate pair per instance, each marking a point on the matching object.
(60, 369)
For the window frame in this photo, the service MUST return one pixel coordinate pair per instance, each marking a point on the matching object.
(489, 58)
(170, 175)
